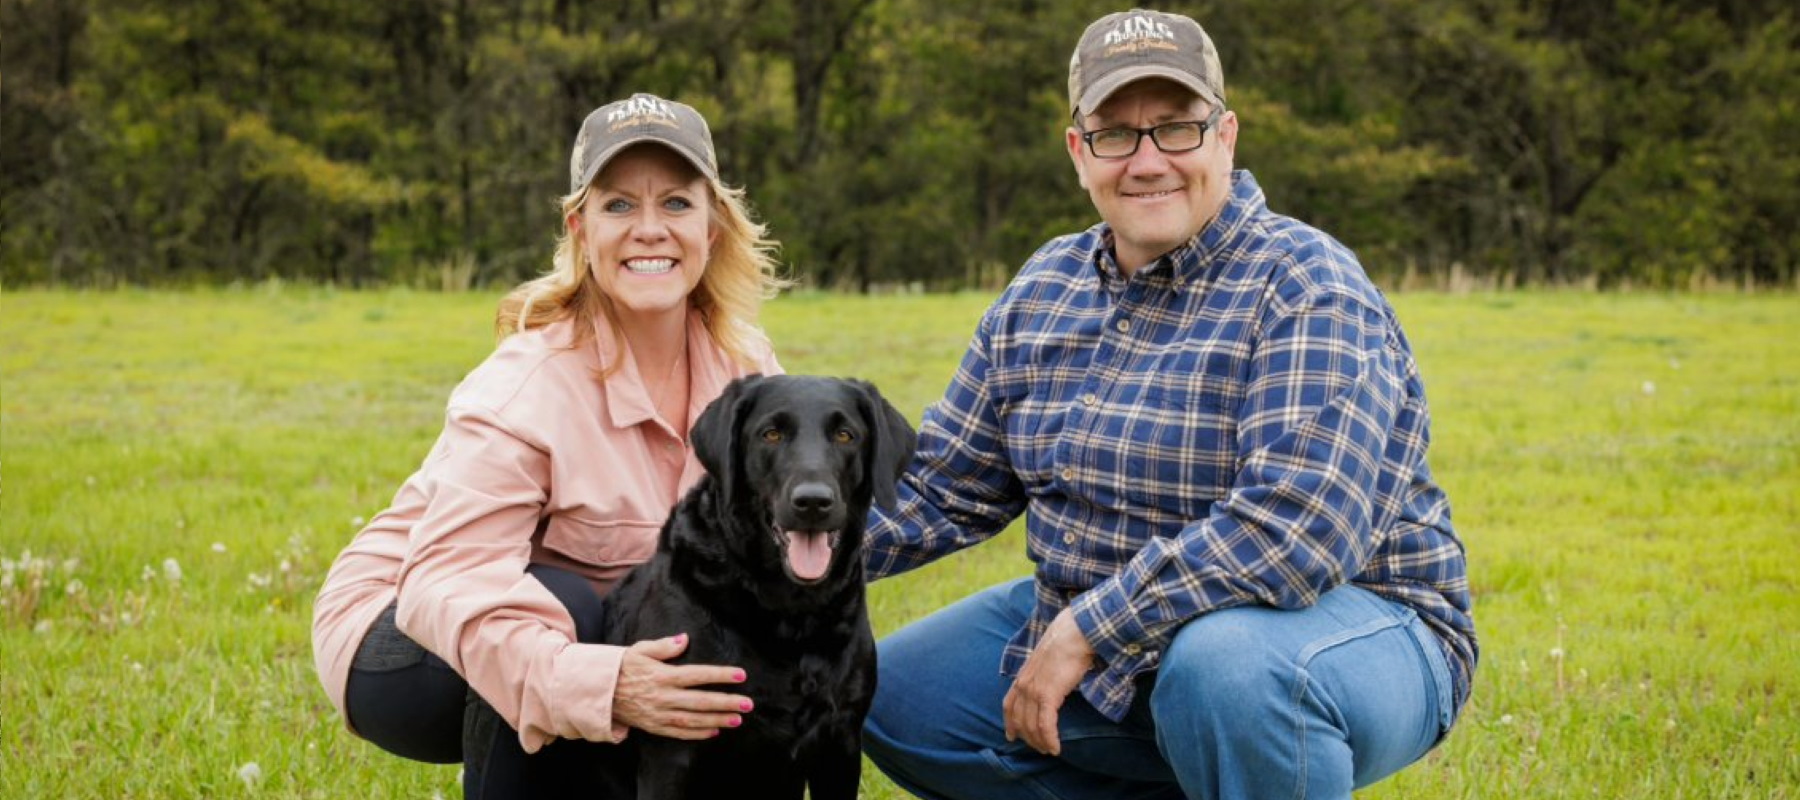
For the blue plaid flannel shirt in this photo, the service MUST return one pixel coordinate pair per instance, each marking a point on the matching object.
(1240, 423)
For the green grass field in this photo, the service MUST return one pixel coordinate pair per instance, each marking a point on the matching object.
(180, 468)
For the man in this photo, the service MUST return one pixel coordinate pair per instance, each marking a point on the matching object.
(1247, 583)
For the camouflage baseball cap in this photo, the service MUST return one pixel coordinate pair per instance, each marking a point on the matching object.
(1131, 45)
(637, 119)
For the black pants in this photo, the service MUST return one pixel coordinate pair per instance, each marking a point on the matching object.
(410, 703)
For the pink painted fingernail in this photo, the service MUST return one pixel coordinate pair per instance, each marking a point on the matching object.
(738, 676)
(736, 721)
(680, 638)
(746, 705)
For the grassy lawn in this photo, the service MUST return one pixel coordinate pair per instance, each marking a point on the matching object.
(179, 469)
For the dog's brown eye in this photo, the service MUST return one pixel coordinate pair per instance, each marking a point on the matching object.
(843, 436)
(771, 436)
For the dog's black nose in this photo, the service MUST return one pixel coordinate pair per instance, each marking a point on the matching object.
(813, 499)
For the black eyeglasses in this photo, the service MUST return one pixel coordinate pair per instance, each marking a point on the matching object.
(1170, 137)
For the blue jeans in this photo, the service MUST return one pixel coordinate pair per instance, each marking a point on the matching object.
(1247, 702)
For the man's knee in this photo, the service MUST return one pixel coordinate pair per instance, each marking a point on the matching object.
(1221, 664)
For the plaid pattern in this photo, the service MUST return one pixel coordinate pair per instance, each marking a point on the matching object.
(1240, 423)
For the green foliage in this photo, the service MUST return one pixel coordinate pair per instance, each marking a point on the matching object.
(890, 142)
(180, 469)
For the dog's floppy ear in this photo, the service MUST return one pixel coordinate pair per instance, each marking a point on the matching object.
(892, 448)
(715, 433)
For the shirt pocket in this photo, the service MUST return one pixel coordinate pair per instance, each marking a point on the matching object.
(619, 543)
(1182, 442)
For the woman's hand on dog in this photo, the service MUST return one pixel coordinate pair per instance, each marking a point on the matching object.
(659, 698)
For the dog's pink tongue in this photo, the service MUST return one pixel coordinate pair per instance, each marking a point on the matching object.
(809, 553)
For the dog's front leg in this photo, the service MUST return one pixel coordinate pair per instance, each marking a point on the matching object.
(836, 768)
(664, 768)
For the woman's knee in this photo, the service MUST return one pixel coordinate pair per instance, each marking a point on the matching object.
(577, 595)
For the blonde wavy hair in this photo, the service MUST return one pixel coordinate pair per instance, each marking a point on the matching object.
(740, 274)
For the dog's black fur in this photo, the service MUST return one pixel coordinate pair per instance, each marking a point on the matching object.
(782, 454)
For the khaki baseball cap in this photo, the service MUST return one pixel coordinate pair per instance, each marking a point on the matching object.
(1131, 45)
(637, 119)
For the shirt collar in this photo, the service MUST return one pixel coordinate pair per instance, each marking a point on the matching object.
(628, 398)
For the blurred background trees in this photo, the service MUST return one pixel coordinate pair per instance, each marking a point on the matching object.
(888, 142)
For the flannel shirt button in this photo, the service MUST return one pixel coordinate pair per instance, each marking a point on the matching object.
(1090, 399)
(1068, 538)
(1124, 326)
(1068, 473)
(1133, 649)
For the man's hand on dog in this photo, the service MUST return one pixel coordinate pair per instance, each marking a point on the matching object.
(1050, 674)
(659, 698)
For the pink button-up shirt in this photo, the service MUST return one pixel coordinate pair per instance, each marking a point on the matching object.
(540, 461)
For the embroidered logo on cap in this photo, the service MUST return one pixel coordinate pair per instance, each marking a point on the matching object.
(1133, 34)
(641, 110)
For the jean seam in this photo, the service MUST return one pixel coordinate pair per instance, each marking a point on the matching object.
(1302, 682)
(994, 762)
(1298, 719)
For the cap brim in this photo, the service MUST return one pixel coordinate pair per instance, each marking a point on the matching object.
(610, 153)
(1105, 87)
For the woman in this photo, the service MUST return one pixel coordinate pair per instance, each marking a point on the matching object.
(560, 457)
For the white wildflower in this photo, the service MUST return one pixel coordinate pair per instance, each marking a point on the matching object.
(70, 565)
(218, 547)
(1506, 719)
(1649, 387)
(250, 774)
(172, 570)
(90, 480)
(260, 580)
(149, 573)
(74, 588)
(356, 522)
(287, 566)
(42, 627)
(1556, 654)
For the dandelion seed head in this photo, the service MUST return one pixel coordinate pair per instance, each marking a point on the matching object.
(1506, 719)
(172, 570)
(1556, 653)
(218, 547)
(74, 588)
(250, 773)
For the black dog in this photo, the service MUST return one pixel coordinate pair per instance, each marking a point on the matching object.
(761, 562)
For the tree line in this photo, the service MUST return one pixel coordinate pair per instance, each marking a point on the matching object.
(888, 142)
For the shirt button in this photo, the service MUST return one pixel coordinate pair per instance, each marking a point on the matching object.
(1133, 649)
(1068, 474)
(1123, 325)
(1068, 538)
(1089, 399)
